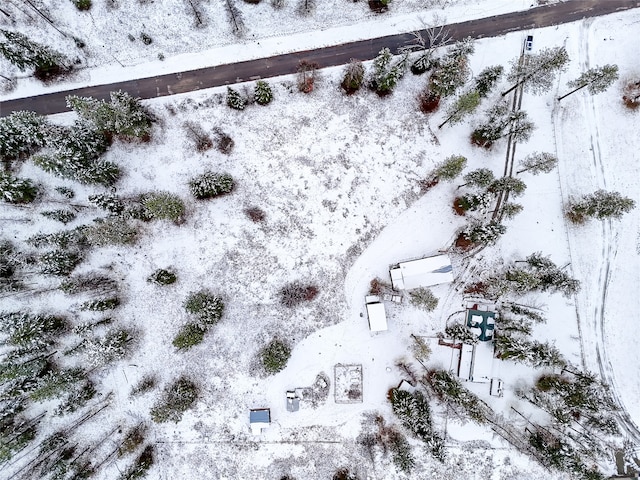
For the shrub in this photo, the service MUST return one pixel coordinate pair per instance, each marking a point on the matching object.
(206, 306)
(66, 192)
(224, 143)
(275, 356)
(256, 214)
(177, 399)
(344, 474)
(263, 94)
(16, 190)
(59, 262)
(162, 277)
(235, 100)
(140, 466)
(82, 5)
(424, 299)
(199, 137)
(189, 336)
(353, 77)
(429, 102)
(210, 185)
(146, 383)
(306, 76)
(163, 205)
(101, 305)
(133, 438)
(146, 39)
(296, 293)
(112, 231)
(64, 216)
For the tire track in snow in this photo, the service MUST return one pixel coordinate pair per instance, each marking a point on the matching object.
(596, 321)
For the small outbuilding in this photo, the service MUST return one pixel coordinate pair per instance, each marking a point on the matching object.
(259, 418)
(293, 401)
(376, 314)
(424, 272)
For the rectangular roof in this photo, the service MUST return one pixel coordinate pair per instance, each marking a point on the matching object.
(422, 273)
(262, 415)
(377, 317)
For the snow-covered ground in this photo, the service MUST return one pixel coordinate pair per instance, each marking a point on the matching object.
(338, 179)
(111, 56)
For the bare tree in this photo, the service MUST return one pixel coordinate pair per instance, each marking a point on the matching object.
(235, 19)
(199, 15)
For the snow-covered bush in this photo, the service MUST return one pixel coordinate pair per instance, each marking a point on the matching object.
(21, 134)
(163, 205)
(113, 346)
(140, 466)
(206, 306)
(16, 190)
(59, 262)
(235, 100)
(177, 399)
(189, 336)
(353, 77)
(386, 74)
(82, 5)
(262, 94)
(111, 231)
(424, 299)
(101, 305)
(60, 215)
(162, 277)
(295, 293)
(109, 202)
(275, 355)
(210, 185)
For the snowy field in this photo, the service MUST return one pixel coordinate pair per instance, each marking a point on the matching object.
(338, 179)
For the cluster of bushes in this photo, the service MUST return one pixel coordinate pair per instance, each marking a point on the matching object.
(295, 293)
(262, 95)
(208, 309)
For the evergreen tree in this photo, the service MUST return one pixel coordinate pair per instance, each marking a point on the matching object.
(451, 74)
(450, 168)
(206, 306)
(530, 352)
(501, 122)
(140, 466)
(163, 205)
(385, 73)
(480, 234)
(481, 178)
(275, 356)
(510, 209)
(113, 346)
(595, 80)
(450, 390)
(476, 201)
(538, 162)
(460, 332)
(353, 77)
(28, 330)
(514, 186)
(236, 20)
(190, 335)
(162, 277)
(235, 100)
(109, 202)
(101, 305)
(463, 106)
(122, 116)
(111, 231)
(263, 94)
(16, 190)
(487, 80)
(600, 205)
(540, 70)
(424, 299)
(63, 216)
(24, 53)
(21, 134)
(210, 185)
(56, 382)
(401, 452)
(177, 399)
(59, 262)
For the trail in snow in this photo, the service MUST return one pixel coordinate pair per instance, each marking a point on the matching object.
(592, 320)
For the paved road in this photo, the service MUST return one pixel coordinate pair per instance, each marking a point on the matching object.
(189, 81)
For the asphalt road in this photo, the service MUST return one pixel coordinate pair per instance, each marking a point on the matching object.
(192, 80)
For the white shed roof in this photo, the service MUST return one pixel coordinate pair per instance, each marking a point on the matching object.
(377, 317)
(422, 273)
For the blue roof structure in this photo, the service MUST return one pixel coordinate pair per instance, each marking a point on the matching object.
(262, 415)
(481, 322)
